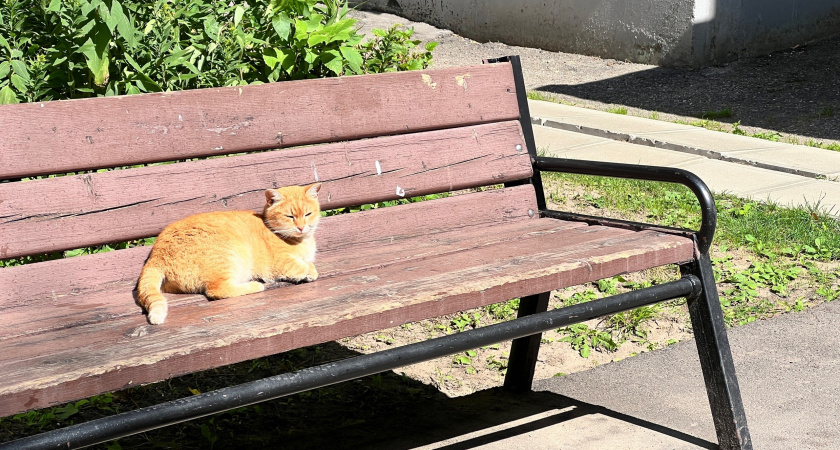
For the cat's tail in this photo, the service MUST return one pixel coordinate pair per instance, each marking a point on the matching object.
(149, 294)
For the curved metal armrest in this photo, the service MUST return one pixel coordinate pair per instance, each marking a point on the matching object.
(650, 173)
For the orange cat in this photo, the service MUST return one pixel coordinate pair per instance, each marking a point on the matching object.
(223, 254)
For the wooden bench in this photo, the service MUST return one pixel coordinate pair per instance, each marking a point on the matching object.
(71, 328)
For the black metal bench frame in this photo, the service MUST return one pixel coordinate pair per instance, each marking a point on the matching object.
(697, 285)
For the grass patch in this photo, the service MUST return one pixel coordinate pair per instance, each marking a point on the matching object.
(835, 146)
(675, 205)
(721, 114)
(542, 96)
(618, 110)
(764, 253)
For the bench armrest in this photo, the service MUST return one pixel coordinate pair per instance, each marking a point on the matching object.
(708, 223)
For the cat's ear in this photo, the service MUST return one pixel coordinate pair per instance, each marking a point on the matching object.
(312, 190)
(272, 196)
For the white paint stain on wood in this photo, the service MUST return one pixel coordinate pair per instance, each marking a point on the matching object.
(427, 79)
(461, 80)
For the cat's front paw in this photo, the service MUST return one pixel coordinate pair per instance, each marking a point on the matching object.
(302, 271)
(312, 275)
(157, 314)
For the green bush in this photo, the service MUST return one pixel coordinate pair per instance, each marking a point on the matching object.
(58, 49)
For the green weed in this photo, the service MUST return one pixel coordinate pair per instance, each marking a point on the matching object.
(721, 114)
(610, 286)
(632, 324)
(500, 365)
(466, 359)
(579, 297)
(537, 95)
(621, 110)
(467, 320)
(835, 146)
(503, 311)
(585, 339)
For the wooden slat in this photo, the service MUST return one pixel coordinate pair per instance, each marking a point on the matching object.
(70, 135)
(91, 209)
(116, 300)
(54, 284)
(48, 368)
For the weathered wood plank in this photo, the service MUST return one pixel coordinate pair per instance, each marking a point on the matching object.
(49, 368)
(441, 218)
(109, 301)
(83, 210)
(70, 135)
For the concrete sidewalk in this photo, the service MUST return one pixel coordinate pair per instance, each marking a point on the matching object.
(787, 369)
(748, 167)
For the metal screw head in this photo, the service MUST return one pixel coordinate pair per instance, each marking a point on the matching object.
(530, 213)
(518, 148)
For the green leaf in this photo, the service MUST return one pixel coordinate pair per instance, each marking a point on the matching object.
(177, 57)
(282, 26)
(317, 38)
(332, 60)
(5, 43)
(66, 411)
(431, 46)
(149, 26)
(19, 83)
(5, 68)
(212, 28)
(353, 58)
(96, 52)
(584, 351)
(237, 15)
(55, 6)
(76, 252)
(20, 69)
(124, 26)
(270, 57)
(7, 96)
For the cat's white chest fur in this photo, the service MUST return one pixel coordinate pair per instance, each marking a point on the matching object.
(309, 256)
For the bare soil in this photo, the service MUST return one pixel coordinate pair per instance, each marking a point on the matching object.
(793, 92)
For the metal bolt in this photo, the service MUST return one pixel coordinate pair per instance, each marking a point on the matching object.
(518, 148)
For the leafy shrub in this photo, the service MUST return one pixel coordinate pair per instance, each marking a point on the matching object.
(58, 49)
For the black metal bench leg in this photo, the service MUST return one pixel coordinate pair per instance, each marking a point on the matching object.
(716, 360)
(524, 351)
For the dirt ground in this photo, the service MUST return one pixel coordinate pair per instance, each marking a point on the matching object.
(793, 92)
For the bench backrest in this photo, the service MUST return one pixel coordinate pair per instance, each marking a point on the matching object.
(369, 139)
(445, 130)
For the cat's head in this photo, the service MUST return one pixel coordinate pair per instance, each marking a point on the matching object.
(292, 212)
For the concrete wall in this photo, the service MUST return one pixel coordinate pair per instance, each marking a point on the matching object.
(676, 33)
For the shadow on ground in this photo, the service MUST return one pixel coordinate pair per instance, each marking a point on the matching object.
(793, 91)
(385, 411)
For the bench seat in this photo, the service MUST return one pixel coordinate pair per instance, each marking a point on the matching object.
(85, 341)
